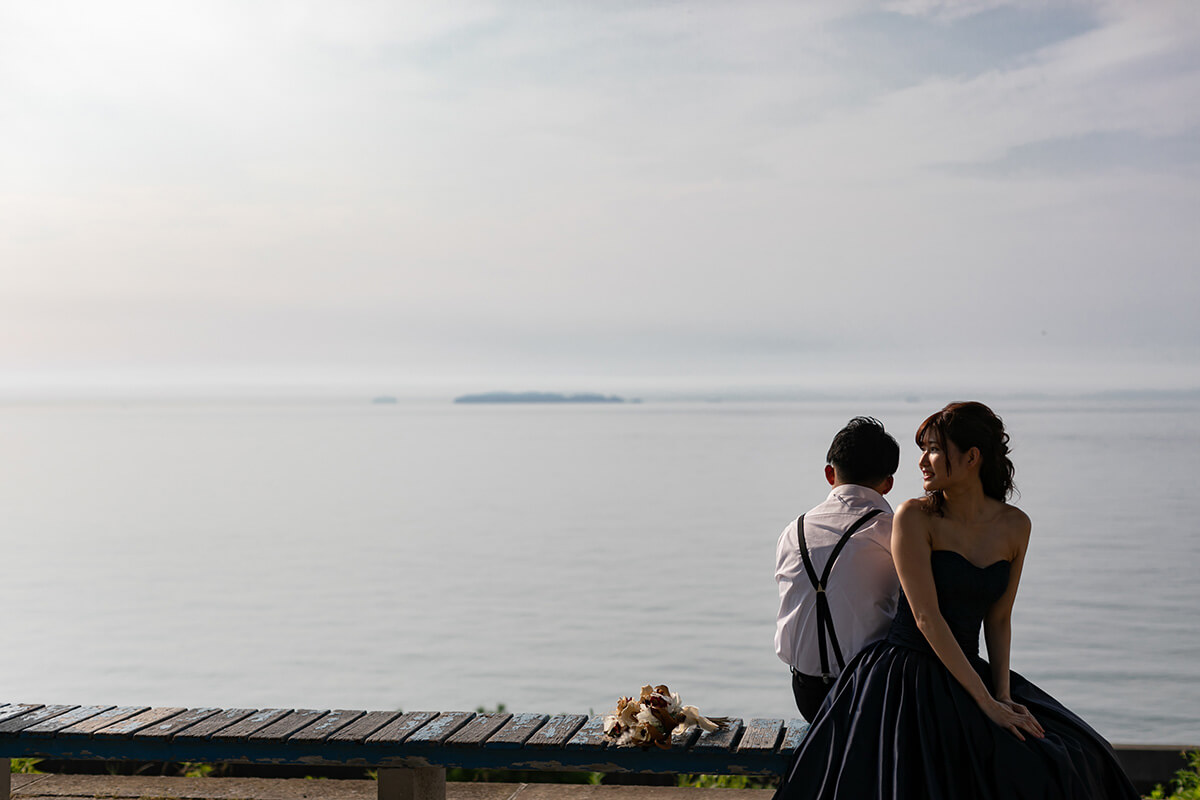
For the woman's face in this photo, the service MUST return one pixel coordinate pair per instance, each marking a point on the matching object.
(936, 462)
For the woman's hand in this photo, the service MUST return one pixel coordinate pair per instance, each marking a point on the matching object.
(1014, 718)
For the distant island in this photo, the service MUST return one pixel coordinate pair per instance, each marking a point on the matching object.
(537, 397)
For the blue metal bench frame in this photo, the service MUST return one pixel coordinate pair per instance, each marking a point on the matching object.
(410, 750)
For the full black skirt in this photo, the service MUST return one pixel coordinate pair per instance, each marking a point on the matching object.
(898, 726)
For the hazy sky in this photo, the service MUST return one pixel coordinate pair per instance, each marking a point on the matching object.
(604, 195)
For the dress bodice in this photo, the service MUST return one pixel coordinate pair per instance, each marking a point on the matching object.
(965, 593)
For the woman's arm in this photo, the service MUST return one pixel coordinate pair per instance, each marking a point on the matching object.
(997, 625)
(912, 546)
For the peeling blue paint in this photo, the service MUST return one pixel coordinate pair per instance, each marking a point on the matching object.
(425, 750)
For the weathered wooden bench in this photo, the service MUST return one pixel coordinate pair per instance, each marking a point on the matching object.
(411, 750)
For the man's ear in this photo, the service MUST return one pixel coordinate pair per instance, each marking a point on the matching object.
(887, 484)
(830, 475)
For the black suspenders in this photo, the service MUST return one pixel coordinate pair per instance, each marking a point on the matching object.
(824, 617)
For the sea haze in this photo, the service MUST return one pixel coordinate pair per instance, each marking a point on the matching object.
(349, 554)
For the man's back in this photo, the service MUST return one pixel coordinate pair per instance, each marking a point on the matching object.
(862, 586)
(817, 629)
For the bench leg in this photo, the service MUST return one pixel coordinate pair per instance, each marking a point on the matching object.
(5, 778)
(422, 783)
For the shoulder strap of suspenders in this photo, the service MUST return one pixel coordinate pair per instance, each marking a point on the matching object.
(824, 616)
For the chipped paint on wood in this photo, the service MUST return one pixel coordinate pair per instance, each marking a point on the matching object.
(440, 727)
(400, 729)
(386, 740)
(55, 724)
(326, 725)
(590, 736)
(135, 723)
(364, 726)
(761, 735)
(28, 720)
(177, 723)
(206, 728)
(793, 735)
(286, 726)
(478, 730)
(517, 730)
(101, 720)
(255, 722)
(558, 730)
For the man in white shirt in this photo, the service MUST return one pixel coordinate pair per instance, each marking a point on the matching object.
(830, 611)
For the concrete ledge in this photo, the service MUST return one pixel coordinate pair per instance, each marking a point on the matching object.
(122, 787)
(1150, 764)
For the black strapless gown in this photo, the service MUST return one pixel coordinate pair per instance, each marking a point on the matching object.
(898, 726)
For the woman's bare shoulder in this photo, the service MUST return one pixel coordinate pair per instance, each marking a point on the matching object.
(914, 506)
(914, 512)
(1014, 517)
(1016, 525)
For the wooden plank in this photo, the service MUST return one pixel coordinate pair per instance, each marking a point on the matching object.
(284, 727)
(438, 729)
(517, 730)
(682, 741)
(558, 730)
(720, 739)
(399, 729)
(364, 726)
(590, 736)
(761, 735)
(135, 723)
(17, 709)
(165, 730)
(793, 735)
(217, 722)
(320, 730)
(478, 730)
(56, 724)
(31, 718)
(248, 725)
(102, 720)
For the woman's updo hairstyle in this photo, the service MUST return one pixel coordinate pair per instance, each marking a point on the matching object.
(969, 425)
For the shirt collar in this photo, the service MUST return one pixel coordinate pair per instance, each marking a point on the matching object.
(854, 495)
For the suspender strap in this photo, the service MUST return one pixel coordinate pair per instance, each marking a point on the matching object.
(824, 615)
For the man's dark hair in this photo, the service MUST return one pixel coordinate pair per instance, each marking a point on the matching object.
(863, 452)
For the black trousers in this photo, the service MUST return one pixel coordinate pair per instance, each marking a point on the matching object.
(810, 691)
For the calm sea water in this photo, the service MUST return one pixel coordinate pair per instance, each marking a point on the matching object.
(551, 558)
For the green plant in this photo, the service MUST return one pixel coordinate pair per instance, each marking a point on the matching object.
(1186, 783)
(24, 766)
(725, 782)
(195, 769)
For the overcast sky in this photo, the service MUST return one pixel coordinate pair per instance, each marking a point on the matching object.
(612, 195)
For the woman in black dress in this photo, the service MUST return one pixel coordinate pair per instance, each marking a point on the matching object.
(919, 715)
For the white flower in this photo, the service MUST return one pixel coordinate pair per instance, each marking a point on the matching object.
(654, 718)
(691, 716)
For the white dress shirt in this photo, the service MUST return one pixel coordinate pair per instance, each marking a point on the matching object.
(862, 589)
